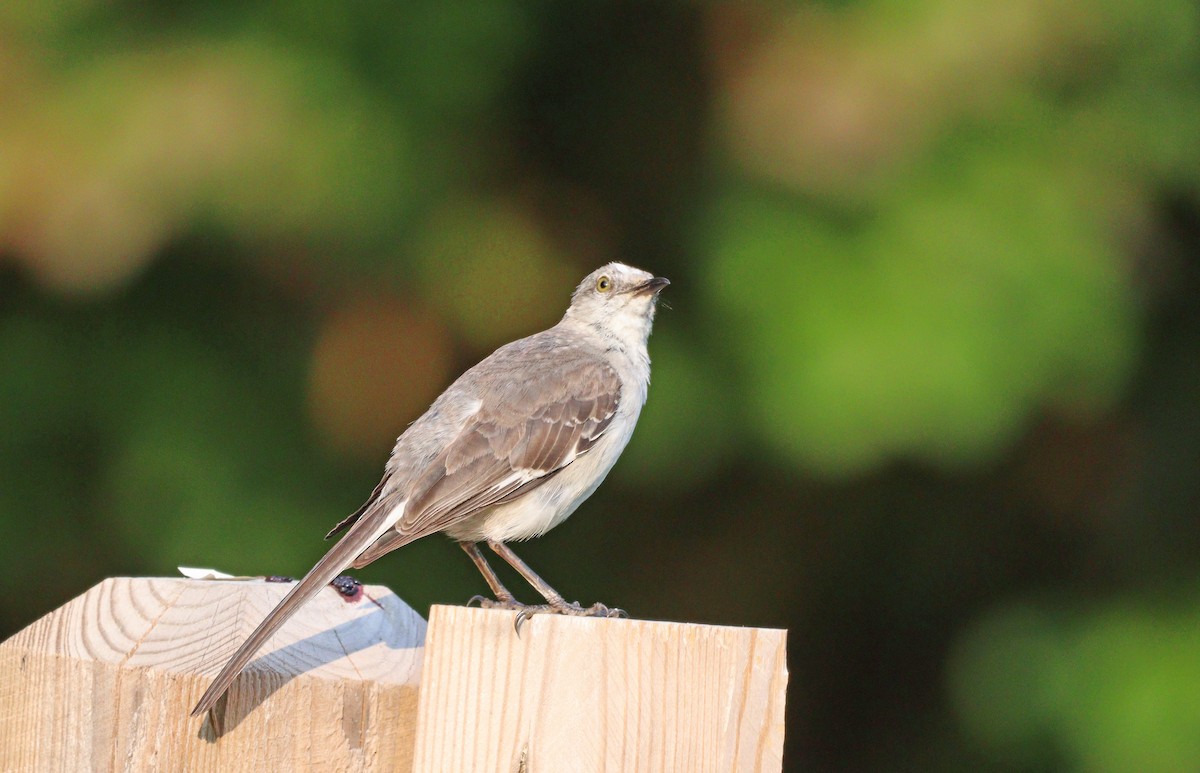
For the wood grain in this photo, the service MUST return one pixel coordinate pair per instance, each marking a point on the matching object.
(107, 681)
(583, 694)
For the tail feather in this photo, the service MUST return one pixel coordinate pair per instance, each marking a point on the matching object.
(361, 534)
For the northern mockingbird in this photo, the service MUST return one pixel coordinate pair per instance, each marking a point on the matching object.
(507, 452)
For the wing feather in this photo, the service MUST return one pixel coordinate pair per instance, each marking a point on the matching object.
(508, 449)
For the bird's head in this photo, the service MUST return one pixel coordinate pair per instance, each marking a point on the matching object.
(617, 299)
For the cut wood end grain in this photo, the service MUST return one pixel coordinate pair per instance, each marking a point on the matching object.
(193, 626)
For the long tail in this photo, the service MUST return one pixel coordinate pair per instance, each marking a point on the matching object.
(361, 534)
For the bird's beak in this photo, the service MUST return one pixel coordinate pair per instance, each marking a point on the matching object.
(651, 286)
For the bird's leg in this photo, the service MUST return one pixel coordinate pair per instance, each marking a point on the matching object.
(553, 597)
(504, 597)
(554, 600)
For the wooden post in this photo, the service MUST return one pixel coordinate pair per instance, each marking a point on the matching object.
(107, 682)
(585, 694)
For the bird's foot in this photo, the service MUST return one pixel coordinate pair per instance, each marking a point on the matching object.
(595, 610)
(573, 608)
(527, 611)
(500, 603)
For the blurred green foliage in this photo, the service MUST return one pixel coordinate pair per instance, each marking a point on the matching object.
(1113, 686)
(926, 392)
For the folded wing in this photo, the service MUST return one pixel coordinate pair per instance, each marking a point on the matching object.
(531, 433)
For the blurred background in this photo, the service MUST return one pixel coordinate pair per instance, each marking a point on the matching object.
(926, 395)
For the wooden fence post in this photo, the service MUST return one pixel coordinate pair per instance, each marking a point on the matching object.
(107, 682)
(585, 694)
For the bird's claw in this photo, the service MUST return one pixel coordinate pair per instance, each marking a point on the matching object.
(500, 603)
(525, 614)
(526, 611)
(598, 610)
(573, 608)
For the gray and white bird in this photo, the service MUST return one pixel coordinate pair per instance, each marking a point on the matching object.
(506, 453)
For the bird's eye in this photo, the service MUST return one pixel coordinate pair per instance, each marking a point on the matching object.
(603, 284)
